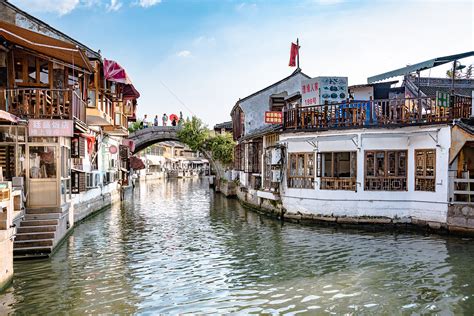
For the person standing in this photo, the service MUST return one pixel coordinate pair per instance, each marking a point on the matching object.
(156, 120)
(145, 121)
(165, 119)
(173, 122)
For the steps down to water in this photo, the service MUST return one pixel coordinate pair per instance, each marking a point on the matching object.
(36, 234)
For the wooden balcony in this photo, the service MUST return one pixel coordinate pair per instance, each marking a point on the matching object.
(375, 113)
(101, 114)
(120, 127)
(41, 103)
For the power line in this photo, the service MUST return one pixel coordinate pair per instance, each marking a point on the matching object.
(176, 97)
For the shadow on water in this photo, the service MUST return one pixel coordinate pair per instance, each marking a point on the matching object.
(176, 247)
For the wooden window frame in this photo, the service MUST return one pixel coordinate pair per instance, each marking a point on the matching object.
(25, 78)
(425, 182)
(338, 183)
(306, 180)
(386, 182)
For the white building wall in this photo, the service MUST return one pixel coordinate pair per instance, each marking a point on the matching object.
(362, 93)
(254, 108)
(431, 206)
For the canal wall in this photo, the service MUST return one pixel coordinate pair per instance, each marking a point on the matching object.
(460, 219)
(7, 232)
(89, 202)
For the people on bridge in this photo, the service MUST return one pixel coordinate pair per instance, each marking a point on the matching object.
(155, 123)
(173, 122)
(165, 119)
(145, 121)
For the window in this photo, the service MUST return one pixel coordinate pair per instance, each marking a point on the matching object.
(301, 170)
(338, 170)
(42, 162)
(239, 157)
(254, 155)
(386, 170)
(31, 70)
(425, 170)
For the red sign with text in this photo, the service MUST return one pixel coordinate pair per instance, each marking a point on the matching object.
(273, 117)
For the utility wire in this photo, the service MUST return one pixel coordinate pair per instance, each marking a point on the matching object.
(176, 97)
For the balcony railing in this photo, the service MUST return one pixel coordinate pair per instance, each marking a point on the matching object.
(375, 113)
(42, 103)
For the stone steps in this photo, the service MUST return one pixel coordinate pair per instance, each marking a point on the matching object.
(33, 243)
(36, 229)
(34, 236)
(31, 253)
(42, 216)
(46, 222)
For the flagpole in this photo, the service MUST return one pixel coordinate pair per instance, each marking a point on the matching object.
(298, 54)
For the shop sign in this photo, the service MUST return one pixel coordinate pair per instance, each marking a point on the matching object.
(113, 149)
(319, 90)
(51, 128)
(442, 99)
(273, 117)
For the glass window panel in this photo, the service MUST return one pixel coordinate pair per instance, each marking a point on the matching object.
(300, 165)
(327, 165)
(31, 69)
(310, 169)
(370, 161)
(42, 162)
(44, 71)
(380, 164)
(402, 163)
(19, 62)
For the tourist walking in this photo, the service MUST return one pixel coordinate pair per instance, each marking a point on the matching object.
(156, 121)
(165, 119)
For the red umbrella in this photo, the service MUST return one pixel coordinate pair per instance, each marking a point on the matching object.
(174, 117)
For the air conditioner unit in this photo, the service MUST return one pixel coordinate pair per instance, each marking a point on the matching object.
(276, 176)
(276, 156)
(96, 179)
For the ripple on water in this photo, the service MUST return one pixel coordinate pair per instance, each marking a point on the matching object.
(177, 248)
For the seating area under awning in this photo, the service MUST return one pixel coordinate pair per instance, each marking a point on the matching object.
(45, 45)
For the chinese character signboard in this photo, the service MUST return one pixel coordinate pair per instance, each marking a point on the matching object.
(309, 92)
(50, 128)
(317, 91)
(442, 99)
(273, 117)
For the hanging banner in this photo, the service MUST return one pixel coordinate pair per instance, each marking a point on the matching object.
(50, 128)
(442, 99)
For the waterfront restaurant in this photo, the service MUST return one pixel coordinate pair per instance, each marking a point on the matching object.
(43, 84)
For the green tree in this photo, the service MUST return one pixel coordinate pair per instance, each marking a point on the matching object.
(218, 149)
(135, 126)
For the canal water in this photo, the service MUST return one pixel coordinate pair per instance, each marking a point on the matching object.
(177, 247)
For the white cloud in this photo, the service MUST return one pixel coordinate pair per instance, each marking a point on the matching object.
(61, 7)
(328, 2)
(114, 5)
(147, 3)
(204, 40)
(244, 6)
(184, 54)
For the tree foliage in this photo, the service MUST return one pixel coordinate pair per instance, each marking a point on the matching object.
(194, 134)
(198, 137)
(135, 126)
(222, 147)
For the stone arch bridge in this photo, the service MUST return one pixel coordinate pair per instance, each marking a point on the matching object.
(152, 135)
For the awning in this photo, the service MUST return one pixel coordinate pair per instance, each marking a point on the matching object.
(129, 92)
(136, 163)
(8, 117)
(114, 72)
(419, 66)
(46, 45)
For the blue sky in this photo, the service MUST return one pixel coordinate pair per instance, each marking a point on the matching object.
(210, 53)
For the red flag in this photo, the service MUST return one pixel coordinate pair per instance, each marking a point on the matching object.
(293, 54)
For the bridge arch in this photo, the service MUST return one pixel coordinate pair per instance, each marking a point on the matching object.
(152, 135)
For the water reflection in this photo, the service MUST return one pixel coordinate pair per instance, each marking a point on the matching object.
(178, 248)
